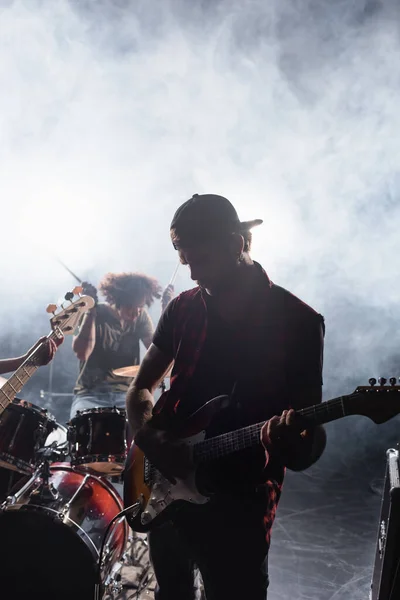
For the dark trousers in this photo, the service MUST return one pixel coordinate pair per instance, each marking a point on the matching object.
(225, 539)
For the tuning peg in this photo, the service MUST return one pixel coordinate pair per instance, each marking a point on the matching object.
(51, 308)
(372, 381)
(69, 296)
(382, 380)
(77, 291)
(392, 381)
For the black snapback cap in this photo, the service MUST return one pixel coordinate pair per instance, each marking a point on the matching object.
(205, 215)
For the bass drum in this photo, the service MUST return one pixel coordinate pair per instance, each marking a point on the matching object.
(51, 545)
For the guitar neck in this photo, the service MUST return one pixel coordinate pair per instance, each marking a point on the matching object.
(21, 376)
(247, 437)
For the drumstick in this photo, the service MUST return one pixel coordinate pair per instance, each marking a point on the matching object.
(69, 270)
(171, 282)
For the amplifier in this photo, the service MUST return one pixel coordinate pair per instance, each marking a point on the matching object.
(385, 583)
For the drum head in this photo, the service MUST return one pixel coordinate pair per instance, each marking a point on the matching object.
(41, 558)
(58, 435)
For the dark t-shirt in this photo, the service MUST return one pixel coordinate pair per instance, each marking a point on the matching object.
(218, 365)
(268, 363)
(115, 347)
(227, 366)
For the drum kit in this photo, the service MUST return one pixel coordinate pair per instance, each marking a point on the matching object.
(62, 520)
(55, 513)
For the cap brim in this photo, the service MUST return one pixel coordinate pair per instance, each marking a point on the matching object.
(245, 225)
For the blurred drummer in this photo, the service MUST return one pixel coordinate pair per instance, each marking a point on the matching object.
(109, 335)
(44, 356)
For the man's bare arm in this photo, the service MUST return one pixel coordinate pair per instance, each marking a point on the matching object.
(139, 400)
(83, 343)
(147, 341)
(44, 355)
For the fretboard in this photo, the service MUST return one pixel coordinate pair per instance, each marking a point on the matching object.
(239, 439)
(21, 376)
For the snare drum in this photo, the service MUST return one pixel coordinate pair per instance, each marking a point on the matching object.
(52, 547)
(24, 429)
(97, 438)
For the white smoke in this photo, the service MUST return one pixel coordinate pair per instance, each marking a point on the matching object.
(113, 113)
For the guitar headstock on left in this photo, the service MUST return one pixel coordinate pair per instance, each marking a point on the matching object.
(378, 402)
(66, 317)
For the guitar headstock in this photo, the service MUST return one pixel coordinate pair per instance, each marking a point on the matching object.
(378, 402)
(67, 317)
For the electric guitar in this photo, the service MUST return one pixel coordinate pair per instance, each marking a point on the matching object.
(64, 322)
(158, 496)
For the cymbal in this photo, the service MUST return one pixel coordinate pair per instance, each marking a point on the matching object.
(127, 371)
(133, 370)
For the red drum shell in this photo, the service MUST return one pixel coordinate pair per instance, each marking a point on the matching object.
(52, 548)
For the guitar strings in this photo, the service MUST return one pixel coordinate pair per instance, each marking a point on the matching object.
(247, 434)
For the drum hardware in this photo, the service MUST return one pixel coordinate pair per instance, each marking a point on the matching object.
(14, 498)
(137, 555)
(10, 482)
(90, 435)
(67, 507)
(100, 588)
(51, 453)
(45, 492)
(146, 577)
(137, 548)
(113, 583)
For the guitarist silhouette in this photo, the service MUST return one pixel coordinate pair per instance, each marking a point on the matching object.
(236, 331)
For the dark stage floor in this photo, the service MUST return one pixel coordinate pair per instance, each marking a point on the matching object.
(324, 540)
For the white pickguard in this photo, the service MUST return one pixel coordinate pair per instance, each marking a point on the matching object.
(163, 492)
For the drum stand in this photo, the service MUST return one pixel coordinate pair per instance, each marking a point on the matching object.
(112, 586)
(44, 492)
(137, 556)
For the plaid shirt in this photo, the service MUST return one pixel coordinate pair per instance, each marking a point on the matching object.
(277, 318)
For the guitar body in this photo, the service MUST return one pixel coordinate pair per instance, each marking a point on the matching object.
(158, 496)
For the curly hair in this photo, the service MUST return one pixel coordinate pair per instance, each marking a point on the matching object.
(123, 289)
